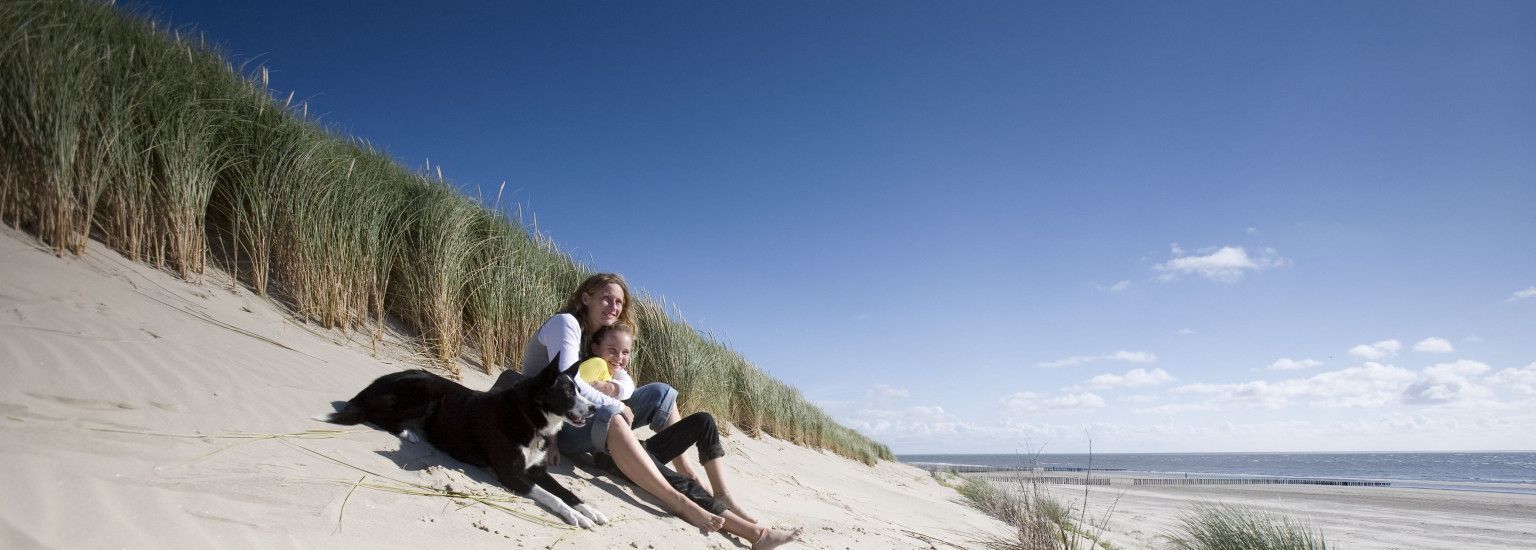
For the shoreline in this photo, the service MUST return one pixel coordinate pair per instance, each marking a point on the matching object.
(979, 466)
(1452, 515)
(1127, 478)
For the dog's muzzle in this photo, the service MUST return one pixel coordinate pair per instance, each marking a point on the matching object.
(578, 415)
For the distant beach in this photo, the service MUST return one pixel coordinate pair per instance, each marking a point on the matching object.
(1402, 500)
(1514, 468)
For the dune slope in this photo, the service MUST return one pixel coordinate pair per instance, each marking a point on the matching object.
(141, 410)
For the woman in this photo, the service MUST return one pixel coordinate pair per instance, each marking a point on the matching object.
(601, 301)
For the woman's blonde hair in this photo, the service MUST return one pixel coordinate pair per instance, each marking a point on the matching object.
(574, 306)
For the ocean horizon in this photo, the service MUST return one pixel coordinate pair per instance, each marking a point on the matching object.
(1511, 467)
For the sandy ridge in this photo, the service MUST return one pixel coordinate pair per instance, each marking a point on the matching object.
(107, 368)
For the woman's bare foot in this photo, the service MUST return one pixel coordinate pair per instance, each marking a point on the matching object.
(730, 504)
(696, 516)
(774, 538)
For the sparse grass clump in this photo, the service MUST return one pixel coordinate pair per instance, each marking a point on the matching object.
(1040, 520)
(1214, 526)
(148, 139)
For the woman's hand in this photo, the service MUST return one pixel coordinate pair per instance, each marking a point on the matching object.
(628, 414)
(609, 389)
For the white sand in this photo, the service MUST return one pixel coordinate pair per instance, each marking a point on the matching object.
(104, 364)
(1349, 517)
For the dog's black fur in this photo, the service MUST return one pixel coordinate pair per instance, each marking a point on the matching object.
(508, 429)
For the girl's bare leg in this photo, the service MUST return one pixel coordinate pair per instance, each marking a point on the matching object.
(716, 470)
(763, 538)
(632, 459)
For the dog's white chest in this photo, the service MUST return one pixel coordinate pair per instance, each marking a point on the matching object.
(534, 453)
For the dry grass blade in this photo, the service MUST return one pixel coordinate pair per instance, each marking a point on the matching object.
(306, 434)
(489, 500)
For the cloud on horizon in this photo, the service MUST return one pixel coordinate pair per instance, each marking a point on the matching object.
(1522, 380)
(1445, 383)
(1523, 294)
(1030, 403)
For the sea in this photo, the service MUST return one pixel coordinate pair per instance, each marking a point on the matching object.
(1500, 471)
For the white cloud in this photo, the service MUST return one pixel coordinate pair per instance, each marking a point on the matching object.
(1227, 264)
(1067, 362)
(1369, 385)
(1173, 408)
(1434, 345)
(1186, 332)
(1131, 379)
(1457, 368)
(1522, 380)
(1133, 357)
(1286, 363)
(1120, 286)
(1523, 294)
(1378, 350)
(1252, 230)
(1446, 383)
(882, 396)
(1033, 403)
(1122, 356)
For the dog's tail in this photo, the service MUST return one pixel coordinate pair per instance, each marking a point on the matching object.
(351, 415)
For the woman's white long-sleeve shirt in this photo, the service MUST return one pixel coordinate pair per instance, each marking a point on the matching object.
(561, 335)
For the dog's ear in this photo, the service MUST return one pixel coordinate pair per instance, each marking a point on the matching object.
(554, 367)
(572, 372)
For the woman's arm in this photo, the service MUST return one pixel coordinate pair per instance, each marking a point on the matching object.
(561, 336)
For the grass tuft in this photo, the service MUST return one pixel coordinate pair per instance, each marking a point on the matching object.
(1214, 526)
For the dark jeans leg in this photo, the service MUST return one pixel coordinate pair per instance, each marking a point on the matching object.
(696, 429)
(689, 488)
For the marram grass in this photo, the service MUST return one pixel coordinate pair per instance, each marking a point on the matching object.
(147, 139)
(1214, 526)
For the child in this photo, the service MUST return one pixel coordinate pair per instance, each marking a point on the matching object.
(607, 371)
(606, 368)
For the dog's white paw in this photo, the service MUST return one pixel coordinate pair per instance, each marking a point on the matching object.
(592, 513)
(410, 436)
(573, 518)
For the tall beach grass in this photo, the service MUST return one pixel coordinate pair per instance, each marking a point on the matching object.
(149, 140)
(1039, 520)
(1216, 526)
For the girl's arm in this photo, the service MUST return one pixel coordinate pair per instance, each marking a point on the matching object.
(622, 381)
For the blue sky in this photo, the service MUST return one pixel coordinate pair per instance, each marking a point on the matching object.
(1006, 226)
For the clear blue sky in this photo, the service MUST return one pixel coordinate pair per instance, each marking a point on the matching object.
(1004, 226)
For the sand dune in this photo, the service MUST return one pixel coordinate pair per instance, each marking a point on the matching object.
(128, 396)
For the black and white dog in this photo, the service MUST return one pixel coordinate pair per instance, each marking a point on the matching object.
(510, 429)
